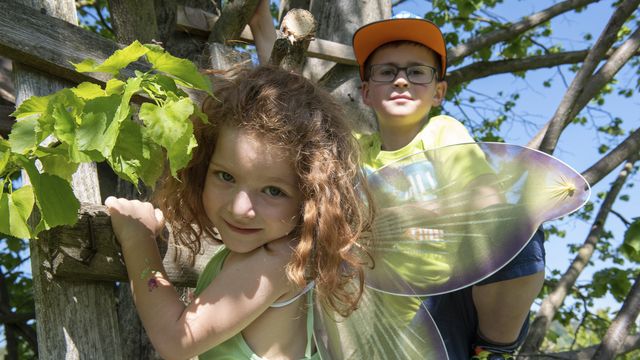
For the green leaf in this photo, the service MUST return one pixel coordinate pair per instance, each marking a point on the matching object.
(59, 165)
(182, 69)
(90, 132)
(123, 112)
(54, 197)
(135, 156)
(18, 205)
(114, 86)
(5, 154)
(34, 105)
(631, 245)
(87, 90)
(23, 136)
(171, 127)
(116, 62)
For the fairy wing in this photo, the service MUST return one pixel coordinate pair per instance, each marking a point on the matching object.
(384, 326)
(441, 227)
(446, 219)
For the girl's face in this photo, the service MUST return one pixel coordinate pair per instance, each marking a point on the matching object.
(251, 192)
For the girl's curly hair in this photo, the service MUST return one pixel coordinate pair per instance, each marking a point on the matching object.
(288, 111)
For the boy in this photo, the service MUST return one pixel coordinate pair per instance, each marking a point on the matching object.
(402, 67)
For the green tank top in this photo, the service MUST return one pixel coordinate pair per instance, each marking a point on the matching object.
(236, 348)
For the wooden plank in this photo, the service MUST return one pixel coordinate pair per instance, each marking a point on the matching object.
(88, 250)
(200, 22)
(51, 45)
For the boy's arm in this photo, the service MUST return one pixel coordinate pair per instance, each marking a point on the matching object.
(264, 33)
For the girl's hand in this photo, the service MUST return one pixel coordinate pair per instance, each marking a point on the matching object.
(134, 220)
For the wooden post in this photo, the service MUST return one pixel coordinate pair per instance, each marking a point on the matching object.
(74, 319)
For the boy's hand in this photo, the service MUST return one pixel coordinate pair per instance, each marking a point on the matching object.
(263, 31)
(133, 220)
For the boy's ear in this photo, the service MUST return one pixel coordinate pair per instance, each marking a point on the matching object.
(440, 91)
(364, 92)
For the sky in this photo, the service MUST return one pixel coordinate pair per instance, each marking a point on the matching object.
(537, 105)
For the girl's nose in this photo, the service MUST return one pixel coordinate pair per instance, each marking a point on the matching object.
(242, 206)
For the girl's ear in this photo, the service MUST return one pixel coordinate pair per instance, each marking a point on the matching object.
(439, 93)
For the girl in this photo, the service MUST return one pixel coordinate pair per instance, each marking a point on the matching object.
(273, 177)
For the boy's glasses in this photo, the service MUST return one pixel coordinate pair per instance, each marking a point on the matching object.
(417, 74)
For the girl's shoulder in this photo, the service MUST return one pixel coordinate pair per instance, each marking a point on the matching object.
(269, 261)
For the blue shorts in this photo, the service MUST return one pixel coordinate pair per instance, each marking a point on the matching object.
(455, 314)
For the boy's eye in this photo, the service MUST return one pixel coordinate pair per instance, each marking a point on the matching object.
(386, 71)
(224, 176)
(273, 191)
(416, 71)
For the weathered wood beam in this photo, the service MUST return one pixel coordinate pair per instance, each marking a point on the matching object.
(199, 22)
(88, 250)
(50, 45)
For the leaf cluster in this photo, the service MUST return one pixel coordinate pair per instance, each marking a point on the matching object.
(92, 123)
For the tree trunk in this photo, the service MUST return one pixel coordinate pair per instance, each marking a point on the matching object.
(134, 20)
(337, 21)
(73, 319)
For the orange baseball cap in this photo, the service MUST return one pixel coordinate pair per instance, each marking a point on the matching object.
(373, 35)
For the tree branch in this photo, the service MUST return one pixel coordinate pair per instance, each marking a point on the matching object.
(584, 75)
(556, 297)
(613, 340)
(630, 343)
(458, 52)
(233, 19)
(619, 57)
(483, 69)
(614, 158)
(606, 73)
(621, 217)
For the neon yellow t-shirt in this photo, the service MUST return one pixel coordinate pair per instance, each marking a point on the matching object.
(456, 166)
(440, 131)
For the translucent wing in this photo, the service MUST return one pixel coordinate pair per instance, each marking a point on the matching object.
(385, 326)
(452, 216)
(446, 218)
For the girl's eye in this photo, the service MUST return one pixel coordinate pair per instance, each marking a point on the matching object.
(225, 176)
(273, 191)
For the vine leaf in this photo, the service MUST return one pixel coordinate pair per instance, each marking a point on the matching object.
(183, 70)
(135, 156)
(116, 62)
(18, 205)
(54, 197)
(23, 137)
(90, 123)
(166, 127)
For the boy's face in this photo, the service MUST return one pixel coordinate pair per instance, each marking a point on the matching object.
(401, 103)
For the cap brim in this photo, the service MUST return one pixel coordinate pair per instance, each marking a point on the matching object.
(371, 36)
